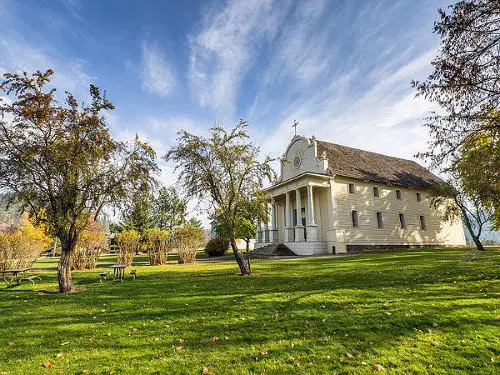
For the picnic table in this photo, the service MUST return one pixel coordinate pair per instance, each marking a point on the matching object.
(119, 271)
(14, 275)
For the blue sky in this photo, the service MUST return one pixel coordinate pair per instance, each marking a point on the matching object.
(341, 68)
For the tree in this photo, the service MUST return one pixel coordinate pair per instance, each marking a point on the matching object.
(479, 170)
(195, 222)
(246, 230)
(465, 83)
(60, 159)
(138, 214)
(451, 198)
(224, 170)
(169, 209)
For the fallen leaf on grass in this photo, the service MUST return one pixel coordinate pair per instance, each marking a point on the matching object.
(226, 338)
(11, 343)
(59, 355)
(214, 339)
(275, 316)
(92, 339)
(65, 343)
(263, 352)
(363, 363)
(158, 356)
(349, 355)
(205, 371)
(47, 364)
(378, 367)
(178, 348)
(181, 341)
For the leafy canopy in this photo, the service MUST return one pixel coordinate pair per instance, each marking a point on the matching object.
(61, 158)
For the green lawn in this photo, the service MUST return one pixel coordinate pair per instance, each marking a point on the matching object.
(418, 311)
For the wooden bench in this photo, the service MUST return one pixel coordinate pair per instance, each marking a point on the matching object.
(103, 276)
(133, 273)
(31, 278)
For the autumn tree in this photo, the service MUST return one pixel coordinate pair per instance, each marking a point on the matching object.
(465, 83)
(454, 202)
(60, 159)
(169, 209)
(195, 222)
(224, 170)
(138, 213)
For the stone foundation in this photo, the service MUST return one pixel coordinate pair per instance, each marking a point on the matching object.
(356, 249)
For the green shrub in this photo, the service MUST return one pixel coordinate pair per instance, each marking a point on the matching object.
(188, 239)
(158, 245)
(128, 241)
(91, 242)
(216, 247)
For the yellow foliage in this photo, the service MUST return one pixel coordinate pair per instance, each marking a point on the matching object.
(21, 248)
(188, 239)
(128, 242)
(88, 248)
(159, 245)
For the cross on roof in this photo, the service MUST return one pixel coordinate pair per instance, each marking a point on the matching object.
(295, 123)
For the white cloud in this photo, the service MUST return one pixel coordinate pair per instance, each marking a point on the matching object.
(222, 52)
(386, 118)
(70, 75)
(157, 77)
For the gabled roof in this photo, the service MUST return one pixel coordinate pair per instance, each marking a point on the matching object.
(365, 165)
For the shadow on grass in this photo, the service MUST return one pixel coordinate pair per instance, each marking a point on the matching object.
(388, 306)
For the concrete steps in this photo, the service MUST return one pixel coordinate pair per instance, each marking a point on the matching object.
(275, 249)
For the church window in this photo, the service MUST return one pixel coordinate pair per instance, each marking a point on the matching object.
(380, 223)
(419, 197)
(398, 194)
(354, 216)
(402, 221)
(422, 223)
(376, 192)
(351, 189)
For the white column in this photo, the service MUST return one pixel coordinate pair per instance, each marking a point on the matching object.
(273, 216)
(289, 231)
(266, 225)
(299, 228)
(273, 229)
(310, 206)
(259, 231)
(288, 210)
(298, 205)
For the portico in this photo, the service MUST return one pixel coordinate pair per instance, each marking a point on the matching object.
(299, 217)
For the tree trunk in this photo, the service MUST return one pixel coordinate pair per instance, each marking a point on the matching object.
(239, 258)
(54, 248)
(248, 245)
(64, 269)
(477, 242)
(468, 225)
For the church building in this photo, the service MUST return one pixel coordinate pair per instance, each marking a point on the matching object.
(333, 199)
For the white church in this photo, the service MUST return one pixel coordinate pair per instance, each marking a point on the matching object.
(333, 199)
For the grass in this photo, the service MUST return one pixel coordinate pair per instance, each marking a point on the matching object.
(412, 311)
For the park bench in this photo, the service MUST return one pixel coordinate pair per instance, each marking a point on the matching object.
(133, 273)
(103, 275)
(31, 278)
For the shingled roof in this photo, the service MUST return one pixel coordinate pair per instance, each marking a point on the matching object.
(365, 165)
